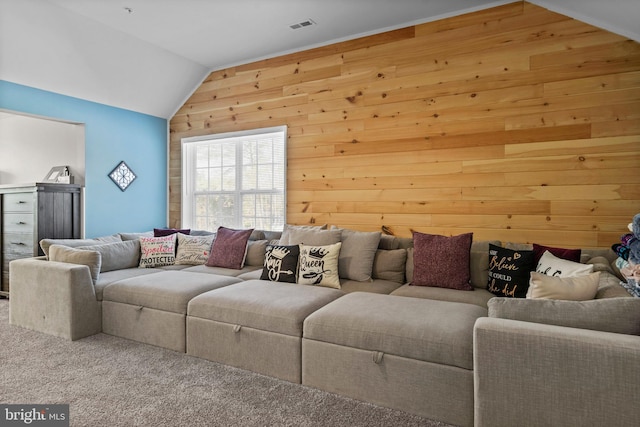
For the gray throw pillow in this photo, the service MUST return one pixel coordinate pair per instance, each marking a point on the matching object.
(118, 255)
(357, 253)
(256, 250)
(390, 265)
(618, 315)
(91, 259)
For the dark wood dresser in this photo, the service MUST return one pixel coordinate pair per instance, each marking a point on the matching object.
(31, 212)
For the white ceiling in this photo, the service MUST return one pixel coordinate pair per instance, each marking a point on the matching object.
(151, 58)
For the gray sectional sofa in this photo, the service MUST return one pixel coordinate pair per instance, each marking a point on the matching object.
(462, 357)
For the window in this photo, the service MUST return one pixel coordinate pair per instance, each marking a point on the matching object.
(237, 180)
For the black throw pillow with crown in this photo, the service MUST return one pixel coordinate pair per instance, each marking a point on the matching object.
(281, 263)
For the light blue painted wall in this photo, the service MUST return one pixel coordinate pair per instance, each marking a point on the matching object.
(111, 135)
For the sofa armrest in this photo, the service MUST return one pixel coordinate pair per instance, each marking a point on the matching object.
(535, 374)
(53, 297)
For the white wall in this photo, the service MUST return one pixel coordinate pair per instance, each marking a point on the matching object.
(30, 147)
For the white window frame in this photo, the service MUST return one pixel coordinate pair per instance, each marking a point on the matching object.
(188, 199)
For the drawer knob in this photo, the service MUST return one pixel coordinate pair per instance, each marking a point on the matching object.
(18, 243)
(21, 223)
(20, 202)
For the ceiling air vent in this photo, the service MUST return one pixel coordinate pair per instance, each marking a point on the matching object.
(302, 24)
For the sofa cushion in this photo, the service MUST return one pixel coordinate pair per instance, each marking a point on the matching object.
(579, 288)
(618, 315)
(157, 251)
(315, 237)
(388, 242)
(509, 271)
(288, 228)
(357, 253)
(135, 236)
(267, 306)
(91, 259)
(281, 263)
(432, 331)
(117, 255)
(166, 290)
(74, 243)
(229, 248)
(442, 261)
(376, 286)
(477, 297)
(551, 265)
(479, 262)
(390, 265)
(222, 271)
(193, 250)
(109, 277)
(318, 265)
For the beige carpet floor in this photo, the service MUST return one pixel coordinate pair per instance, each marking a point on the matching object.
(110, 381)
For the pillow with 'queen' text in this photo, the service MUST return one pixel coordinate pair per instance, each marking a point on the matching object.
(318, 265)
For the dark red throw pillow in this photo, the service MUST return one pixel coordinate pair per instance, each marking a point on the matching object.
(229, 248)
(568, 254)
(442, 261)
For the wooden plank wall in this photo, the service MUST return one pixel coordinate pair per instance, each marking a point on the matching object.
(515, 123)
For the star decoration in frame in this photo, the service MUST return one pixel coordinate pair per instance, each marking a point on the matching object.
(122, 176)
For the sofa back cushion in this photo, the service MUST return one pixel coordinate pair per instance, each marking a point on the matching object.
(618, 315)
(91, 259)
(74, 243)
(117, 255)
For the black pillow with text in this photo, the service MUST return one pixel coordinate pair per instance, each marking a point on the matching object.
(509, 271)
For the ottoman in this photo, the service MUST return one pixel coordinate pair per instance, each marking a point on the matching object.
(411, 354)
(153, 308)
(255, 325)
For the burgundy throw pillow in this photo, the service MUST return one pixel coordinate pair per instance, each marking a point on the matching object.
(161, 232)
(229, 248)
(442, 261)
(568, 254)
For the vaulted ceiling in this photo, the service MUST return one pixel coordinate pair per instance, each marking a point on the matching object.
(149, 55)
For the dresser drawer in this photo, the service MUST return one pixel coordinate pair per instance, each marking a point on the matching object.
(18, 202)
(4, 287)
(17, 244)
(18, 223)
